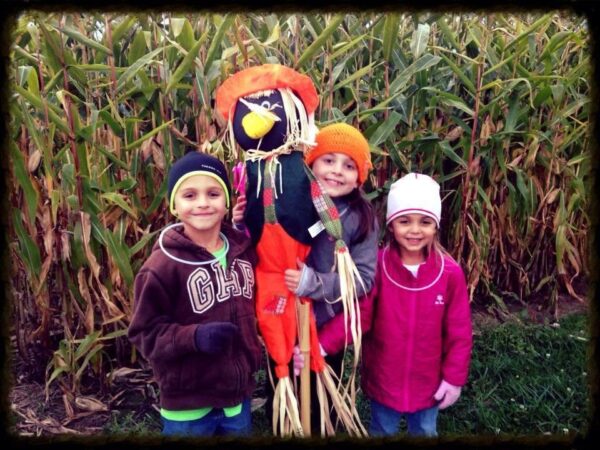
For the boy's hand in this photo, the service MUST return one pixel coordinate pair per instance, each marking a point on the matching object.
(292, 277)
(237, 213)
(447, 394)
(215, 337)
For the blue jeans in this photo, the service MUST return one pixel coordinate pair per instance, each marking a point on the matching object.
(385, 421)
(215, 423)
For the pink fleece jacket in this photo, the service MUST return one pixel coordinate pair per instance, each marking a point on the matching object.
(416, 331)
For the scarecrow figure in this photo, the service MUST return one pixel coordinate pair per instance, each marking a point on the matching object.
(270, 114)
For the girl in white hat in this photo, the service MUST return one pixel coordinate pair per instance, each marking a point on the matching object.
(416, 322)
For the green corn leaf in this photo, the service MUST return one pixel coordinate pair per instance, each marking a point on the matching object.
(137, 66)
(51, 85)
(560, 243)
(120, 255)
(33, 84)
(76, 35)
(86, 344)
(23, 178)
(484, 197)
(28, 56)
(159, 198)
(385, 129)
(55, 374)
(124, 27)
(344, 48)
(186, 37)
(451, 100)
(274, 36)
(148, 135)
(313, 25)
(38, 103)
(108, 119)
(356, 75)
(177, 24)
(513, 112)
(33, 130)
(570, 110)
(186, 65)
(112, 157)
(137, 48)
(217, 41)
(499, 65)
(424, 62)
(88, 356)
(450, 153)
(29, 251)
(578, 159)
(390, 35)
(556, 41)
(320, 41)
(260, 52)
(460, 73)
(337, 70)
(523, 190)
(419, 40)
(23, 74)
(53, 46)
(118, 200)
(500, 158)
(537, 24)
(141, 244)
(113, 335)
(447, 32)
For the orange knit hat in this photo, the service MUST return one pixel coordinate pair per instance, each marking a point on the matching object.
(343, 138)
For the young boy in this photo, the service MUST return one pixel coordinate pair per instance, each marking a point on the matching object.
(194, 316)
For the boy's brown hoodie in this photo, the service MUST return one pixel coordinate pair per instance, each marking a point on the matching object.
(173, 297)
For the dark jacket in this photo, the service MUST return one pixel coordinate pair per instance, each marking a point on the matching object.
(172, 298)
(293, 205)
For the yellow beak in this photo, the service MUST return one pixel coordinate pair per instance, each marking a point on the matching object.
(257, 125)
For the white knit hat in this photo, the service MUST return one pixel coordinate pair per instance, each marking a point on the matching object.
(414, 193)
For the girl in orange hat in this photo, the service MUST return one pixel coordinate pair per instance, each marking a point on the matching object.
(340, 162)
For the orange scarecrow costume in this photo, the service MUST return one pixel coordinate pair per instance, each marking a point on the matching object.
(270, 110)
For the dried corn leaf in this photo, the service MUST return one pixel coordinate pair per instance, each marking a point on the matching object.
(90, 404)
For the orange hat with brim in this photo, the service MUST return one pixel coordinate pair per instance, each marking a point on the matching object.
(260, 78)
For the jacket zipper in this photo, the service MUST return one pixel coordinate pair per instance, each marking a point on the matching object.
(410, 348)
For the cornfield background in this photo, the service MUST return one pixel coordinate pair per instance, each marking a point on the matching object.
(494, 106)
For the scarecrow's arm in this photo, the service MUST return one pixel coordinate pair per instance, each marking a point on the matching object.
(326, 286)
(152, 329)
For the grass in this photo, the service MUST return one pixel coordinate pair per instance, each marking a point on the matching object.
(525, 379)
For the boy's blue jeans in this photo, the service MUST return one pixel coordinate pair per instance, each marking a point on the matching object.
(215, 423)
(385, 421)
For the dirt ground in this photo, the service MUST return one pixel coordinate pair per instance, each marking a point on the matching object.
(133, 391)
